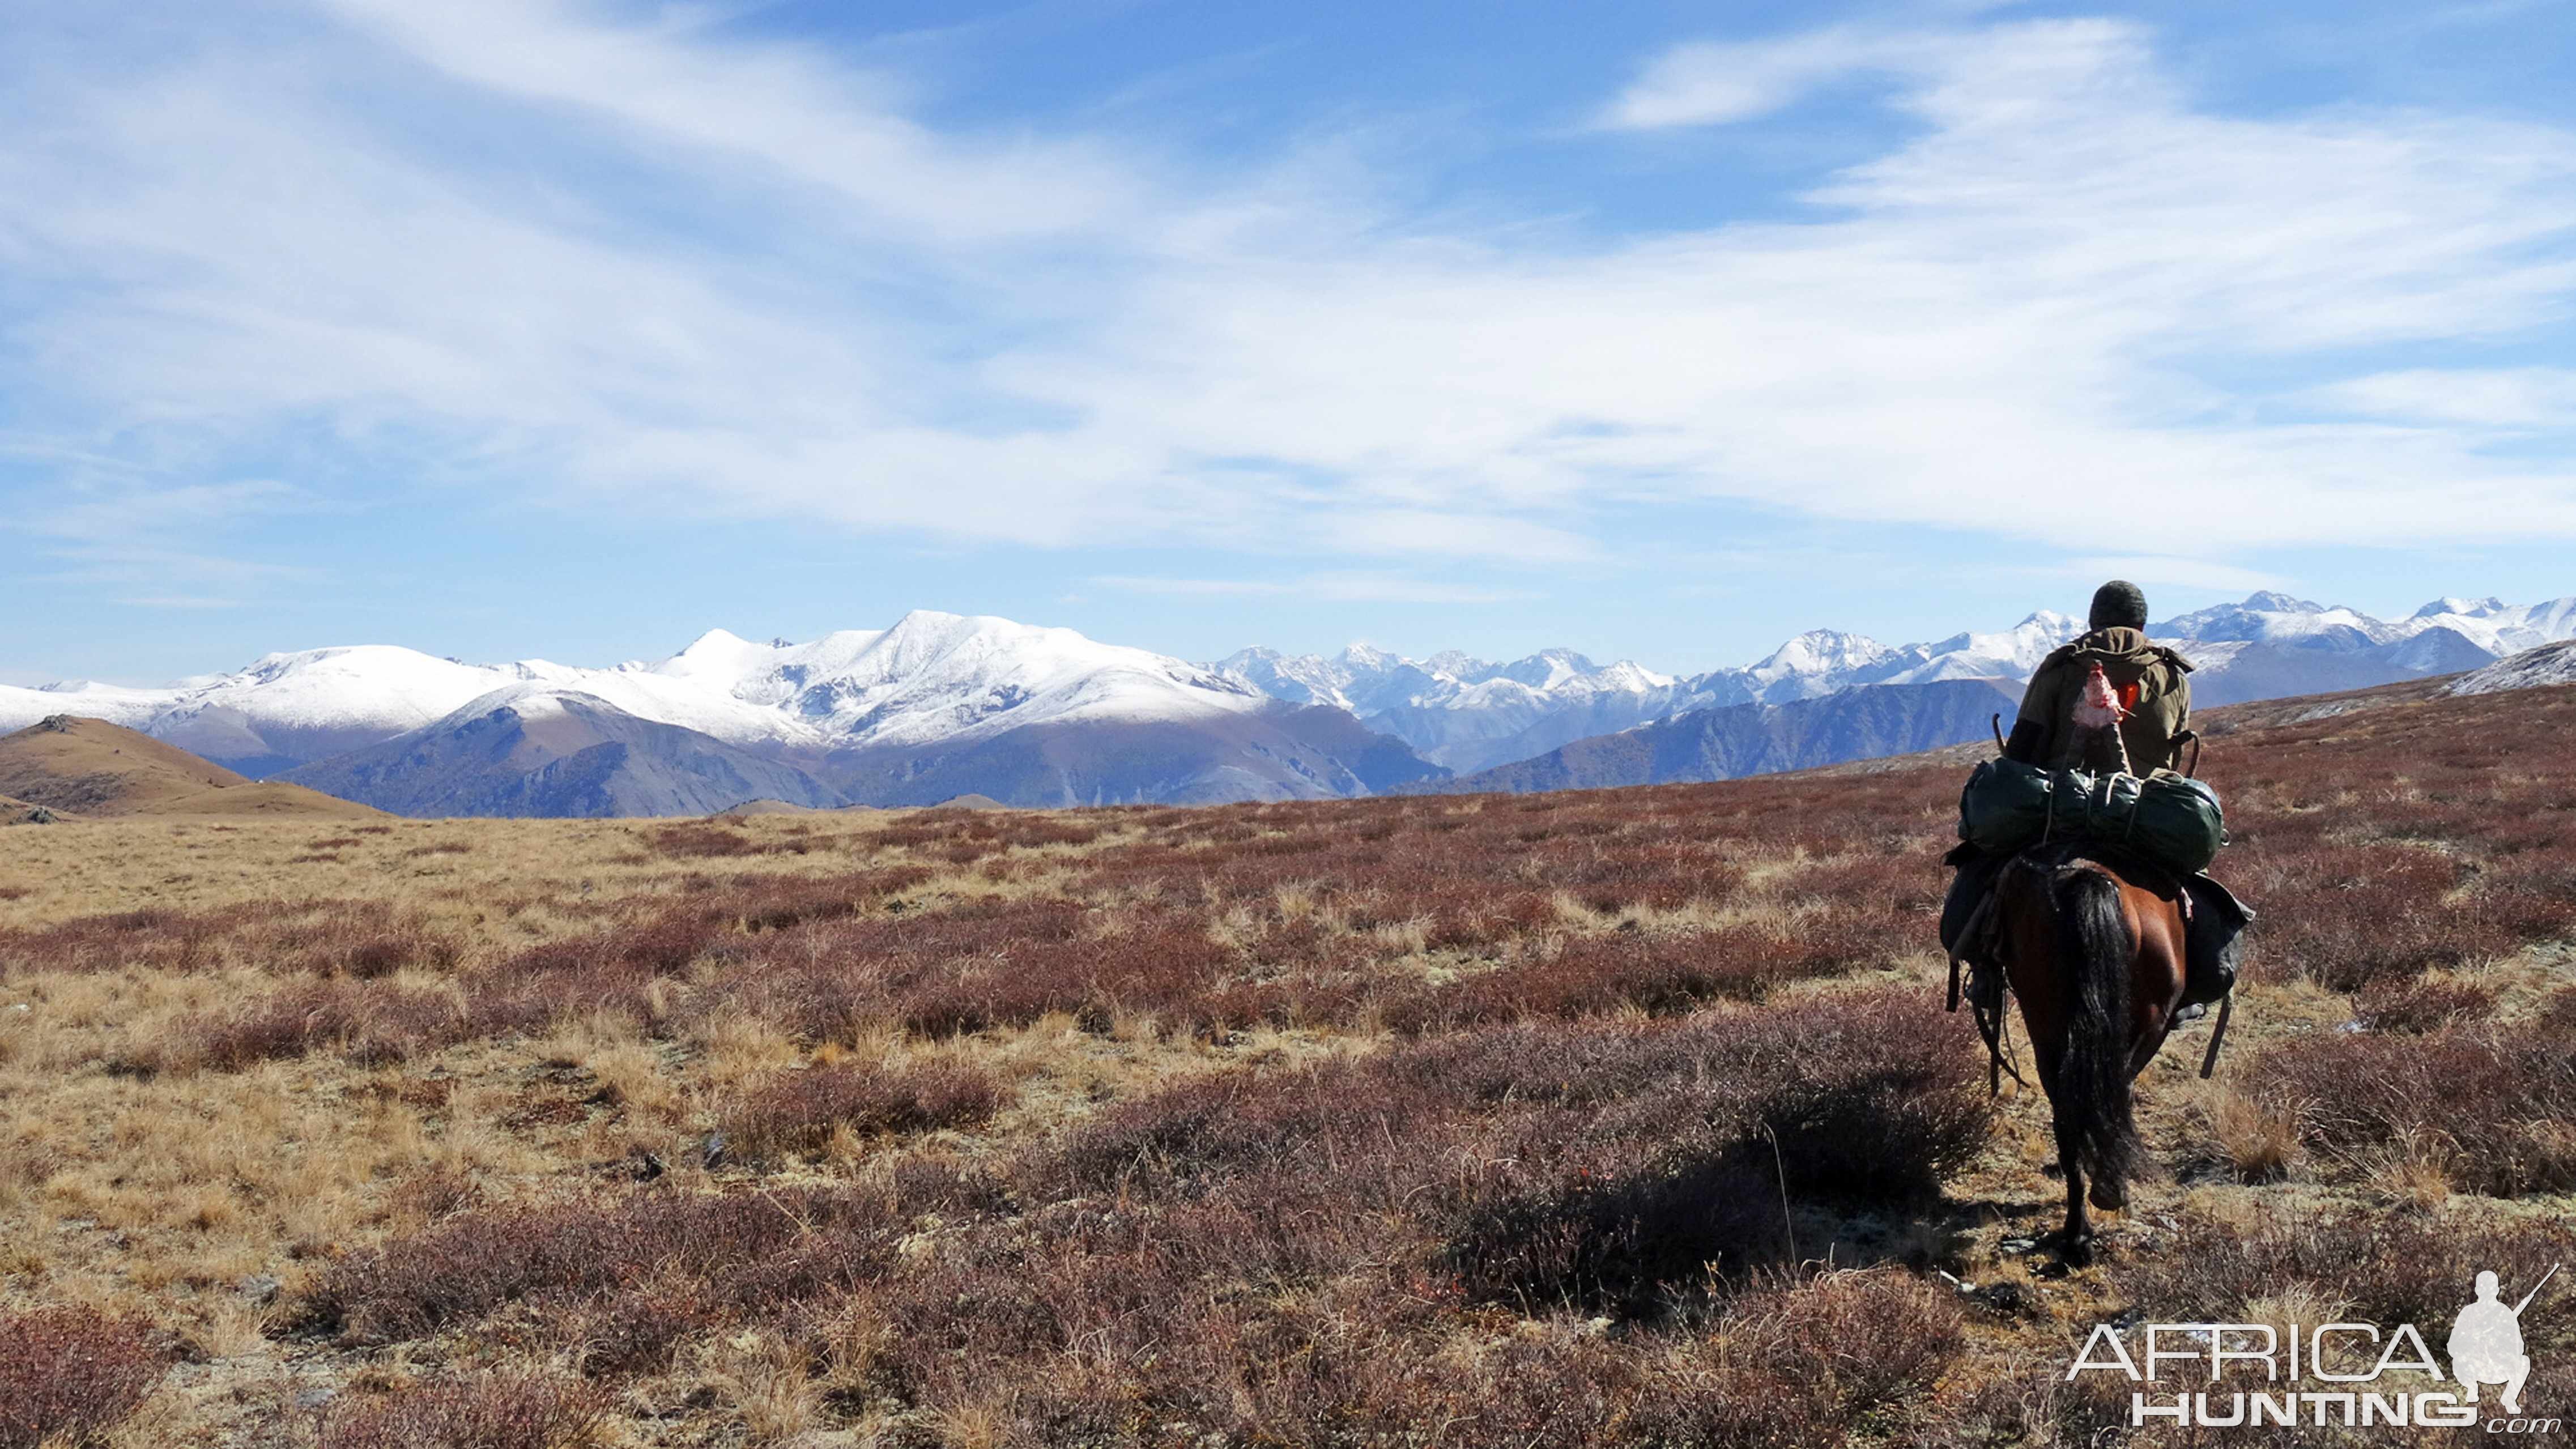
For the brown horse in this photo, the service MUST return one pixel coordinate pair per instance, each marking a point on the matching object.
(2097, 961)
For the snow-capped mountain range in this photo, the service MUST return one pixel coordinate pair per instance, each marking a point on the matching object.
(944, 703)
(1471, 714)
(930, 678)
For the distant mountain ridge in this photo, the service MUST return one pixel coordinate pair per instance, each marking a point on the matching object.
(1732, 740)
(1472, 715)
(940, 705)
(936, 706)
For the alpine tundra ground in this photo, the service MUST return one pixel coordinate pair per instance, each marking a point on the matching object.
(1616, 1118)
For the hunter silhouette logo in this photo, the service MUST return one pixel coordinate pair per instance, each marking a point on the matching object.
(2326, 1374)
(2486, 1342)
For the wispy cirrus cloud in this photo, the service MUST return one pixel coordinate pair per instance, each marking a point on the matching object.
(1702, 83)
(584, 252)
(2514, 398)
(142, 545)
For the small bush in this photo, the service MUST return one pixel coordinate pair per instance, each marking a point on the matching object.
(799, 1111)
(1801, 1362)
(374, 1023)
(2420, 1005)
(490, 1411)
(635, 1331)
(702, 841)
(68, 1373)
(750, 1252)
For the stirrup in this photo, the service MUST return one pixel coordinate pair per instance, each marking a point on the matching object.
(1967, 935)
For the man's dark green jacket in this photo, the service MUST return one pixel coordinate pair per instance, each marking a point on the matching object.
(2160, 711)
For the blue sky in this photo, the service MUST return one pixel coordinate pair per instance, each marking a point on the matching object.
(506, 328)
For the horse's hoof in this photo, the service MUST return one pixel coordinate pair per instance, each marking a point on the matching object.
(2077, 1252)
(2110, 1197)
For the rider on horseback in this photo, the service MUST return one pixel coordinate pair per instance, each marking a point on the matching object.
(2153, 689)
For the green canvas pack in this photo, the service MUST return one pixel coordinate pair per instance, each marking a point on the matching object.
(2170, 820)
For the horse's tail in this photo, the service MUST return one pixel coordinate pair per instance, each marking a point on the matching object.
(2095, 949)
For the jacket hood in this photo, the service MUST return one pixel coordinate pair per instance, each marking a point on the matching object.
(2122, 643)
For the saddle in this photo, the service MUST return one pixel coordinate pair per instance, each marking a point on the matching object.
(1981, 939)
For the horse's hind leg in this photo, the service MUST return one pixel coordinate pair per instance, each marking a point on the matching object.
(2078, 1245)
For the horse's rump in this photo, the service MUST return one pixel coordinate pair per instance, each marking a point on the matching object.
(2095, 958)
(2095, 953)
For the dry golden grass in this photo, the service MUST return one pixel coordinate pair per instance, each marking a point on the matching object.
(148, 1167)
(2260, 1139)
(208, 1197)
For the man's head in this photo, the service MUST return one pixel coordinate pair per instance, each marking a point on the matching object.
(2486, 1286)
(2119, 604)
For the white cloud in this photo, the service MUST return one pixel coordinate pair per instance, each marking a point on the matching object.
(542, 248)
(791, 114)
(2520, 397)
(96, 514)
(1707, 83)
(119, 537)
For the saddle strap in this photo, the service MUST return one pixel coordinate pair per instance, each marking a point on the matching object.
(2218, 1033)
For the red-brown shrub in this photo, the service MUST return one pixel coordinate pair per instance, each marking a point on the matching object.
(749, 1252)
(489, 1411)
(2380, 1267)
(798, 1111)
(1799, 1362)
(1638, 1153)
(2501, 1094)
(374, 1023)
(2414, 1004)
(67, 1373)
(699, 841)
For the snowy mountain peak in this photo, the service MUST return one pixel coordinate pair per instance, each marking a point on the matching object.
(2486, 608)
(715, 656)
(936, 676)
(1367, 658)
(1549, 668)
(719, 644)
(2268, 601)
(1459, 664)
(2266, 615)
(1819, 650)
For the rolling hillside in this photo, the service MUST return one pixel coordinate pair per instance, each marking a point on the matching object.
(90, 768)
